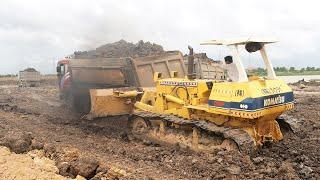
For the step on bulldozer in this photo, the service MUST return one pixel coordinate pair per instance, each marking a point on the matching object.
(204, 114)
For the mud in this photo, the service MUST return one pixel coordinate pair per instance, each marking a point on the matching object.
(103, 148)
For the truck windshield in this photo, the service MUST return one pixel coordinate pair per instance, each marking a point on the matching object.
(62, 68)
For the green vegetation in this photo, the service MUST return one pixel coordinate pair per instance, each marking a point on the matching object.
(283, 71)
(8, 75)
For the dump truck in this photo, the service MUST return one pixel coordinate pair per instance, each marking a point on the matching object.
(29, 78)
(82, 81)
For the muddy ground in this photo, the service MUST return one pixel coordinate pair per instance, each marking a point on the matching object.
(100, 149)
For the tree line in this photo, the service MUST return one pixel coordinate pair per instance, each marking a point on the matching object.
(293, 69)
(286, 71)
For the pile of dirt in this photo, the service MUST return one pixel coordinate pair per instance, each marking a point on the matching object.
(121, 48)
(303, 83)
(30, 70)
(33, 165)
(49, 161)
(17, 141)
(72, 164)
(200, 56)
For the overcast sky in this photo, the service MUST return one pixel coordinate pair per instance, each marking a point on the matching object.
(36, 33)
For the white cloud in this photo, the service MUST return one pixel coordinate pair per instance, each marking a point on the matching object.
(38, 32)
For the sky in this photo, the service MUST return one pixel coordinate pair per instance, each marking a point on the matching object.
(37, 33)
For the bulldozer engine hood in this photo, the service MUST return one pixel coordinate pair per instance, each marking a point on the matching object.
(251, 99)
(254, 104)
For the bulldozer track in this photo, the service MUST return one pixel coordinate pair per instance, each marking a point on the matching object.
(243, 140)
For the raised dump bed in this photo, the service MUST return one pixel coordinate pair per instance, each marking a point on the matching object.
(206, 68)
(81, 77)
(124, 72)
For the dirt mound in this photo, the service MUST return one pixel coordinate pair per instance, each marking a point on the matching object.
(17, 141)
(201, 56)
(33, 165)
(302, 83)
(71, 164)
(85, 166)
(121, 48)
(30, 70)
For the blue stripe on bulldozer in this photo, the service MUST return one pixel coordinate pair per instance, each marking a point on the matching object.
(252, 104)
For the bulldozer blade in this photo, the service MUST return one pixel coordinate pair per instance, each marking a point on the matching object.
(105, 103)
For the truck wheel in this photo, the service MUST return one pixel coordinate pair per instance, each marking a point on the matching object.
(81, 104)
(77, 104)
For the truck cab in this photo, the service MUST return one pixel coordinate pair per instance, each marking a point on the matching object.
(63, 73)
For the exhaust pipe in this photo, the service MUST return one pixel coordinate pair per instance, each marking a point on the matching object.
(191, 73)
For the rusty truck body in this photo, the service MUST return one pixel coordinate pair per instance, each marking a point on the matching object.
(79, 79)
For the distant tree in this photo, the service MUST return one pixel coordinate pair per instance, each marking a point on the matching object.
(276, 68)
(257, 72)
(302, 69)
(292, 69)
(282, 69)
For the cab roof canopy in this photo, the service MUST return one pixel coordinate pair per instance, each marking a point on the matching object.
(241, 41)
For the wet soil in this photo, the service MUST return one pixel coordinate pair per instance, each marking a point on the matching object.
(68, 138)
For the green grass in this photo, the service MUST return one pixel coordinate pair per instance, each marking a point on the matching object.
(297, 73)
(284, 73)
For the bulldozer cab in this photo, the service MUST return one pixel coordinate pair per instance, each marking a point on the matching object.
(251, 45)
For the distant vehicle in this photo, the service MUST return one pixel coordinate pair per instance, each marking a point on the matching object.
(29, 78)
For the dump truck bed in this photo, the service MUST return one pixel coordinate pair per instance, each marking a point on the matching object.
(145, 67)
(93, 76)
(124, 72)
(98, 73)
(29, 78)
(207, 69)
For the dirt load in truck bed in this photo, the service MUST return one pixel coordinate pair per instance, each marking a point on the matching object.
(121, 48)
(30, 70)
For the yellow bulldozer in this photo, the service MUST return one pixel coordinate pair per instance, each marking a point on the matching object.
(217, 114)
(204, 114)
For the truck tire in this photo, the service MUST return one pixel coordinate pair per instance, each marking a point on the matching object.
(81, 104)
